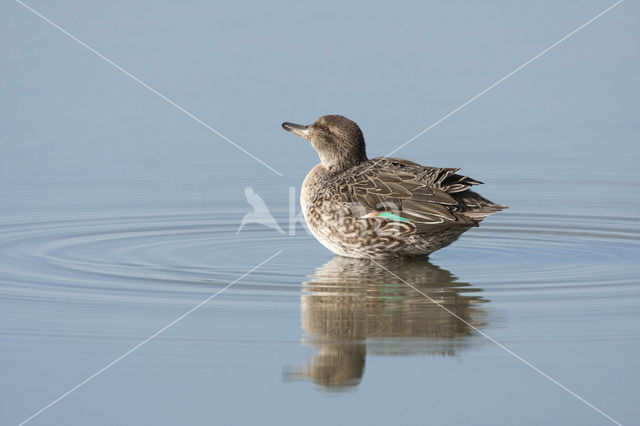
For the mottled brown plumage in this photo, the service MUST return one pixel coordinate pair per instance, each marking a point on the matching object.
(383, 207)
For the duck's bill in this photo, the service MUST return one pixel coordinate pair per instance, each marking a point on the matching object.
(298, 129)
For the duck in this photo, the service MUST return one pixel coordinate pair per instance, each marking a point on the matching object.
(381, 207)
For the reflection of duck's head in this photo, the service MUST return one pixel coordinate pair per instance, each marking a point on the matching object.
(337, 366)
(351, 306)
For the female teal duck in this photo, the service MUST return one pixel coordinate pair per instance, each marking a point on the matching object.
(384, 207)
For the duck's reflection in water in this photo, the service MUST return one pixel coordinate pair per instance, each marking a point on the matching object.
(354, 306)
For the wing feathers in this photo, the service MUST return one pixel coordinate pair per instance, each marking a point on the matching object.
(425, 196)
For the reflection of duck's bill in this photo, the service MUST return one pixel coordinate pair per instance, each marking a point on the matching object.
(298, 129)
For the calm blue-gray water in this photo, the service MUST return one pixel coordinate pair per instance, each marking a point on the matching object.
(119, 213)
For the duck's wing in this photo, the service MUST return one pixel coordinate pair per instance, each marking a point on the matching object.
(400, 190)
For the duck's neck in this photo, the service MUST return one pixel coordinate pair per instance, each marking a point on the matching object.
(335, 165)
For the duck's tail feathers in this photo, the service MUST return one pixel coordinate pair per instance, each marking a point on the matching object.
(452, 182)
(476, 207)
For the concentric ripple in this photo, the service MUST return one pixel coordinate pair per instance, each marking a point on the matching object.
(537, 253)
(128, 258)
(152, 257)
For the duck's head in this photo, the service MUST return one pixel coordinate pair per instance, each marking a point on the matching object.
(338, 140)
